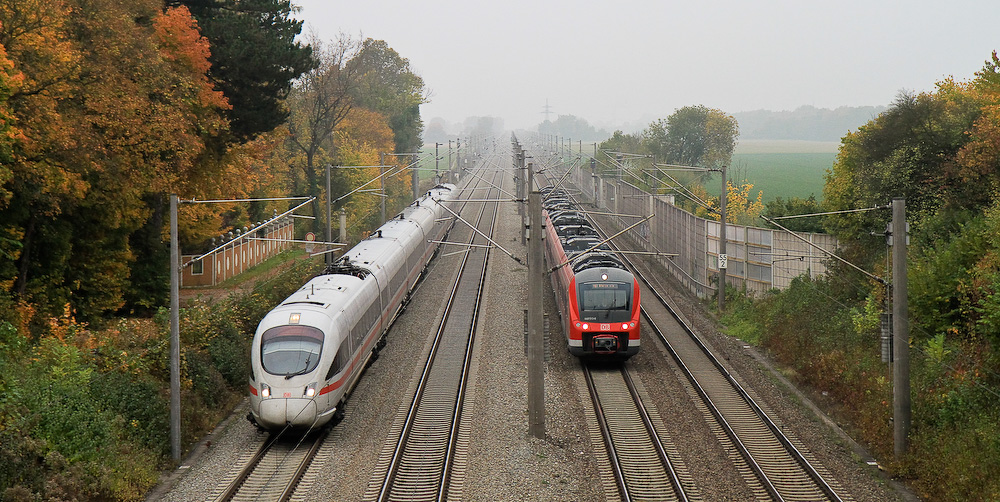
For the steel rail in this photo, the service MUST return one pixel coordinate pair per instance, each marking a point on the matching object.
(290, 482)
(657, 444)
(794, 453)
(385, 491)
(602, 423)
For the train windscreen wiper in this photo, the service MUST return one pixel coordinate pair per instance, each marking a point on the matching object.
(303, 371)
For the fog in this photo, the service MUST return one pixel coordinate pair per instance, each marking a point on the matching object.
(631, 62)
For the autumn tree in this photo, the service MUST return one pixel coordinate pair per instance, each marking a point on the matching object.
(195, 107)
(360, 139)
(39, 187)
(908, 151)
(9, 80)
(319, 101)
(977, 164)
(743, 206)
(386, 84)
(106, 127)
(9, 133)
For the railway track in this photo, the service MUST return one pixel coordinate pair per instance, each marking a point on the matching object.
(779, 469)
(274, 471)
(643, 470)
(419, 467)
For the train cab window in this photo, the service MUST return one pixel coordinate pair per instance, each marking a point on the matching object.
(290, 350)
(604, 296)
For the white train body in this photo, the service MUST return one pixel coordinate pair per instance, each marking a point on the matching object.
(309, 351)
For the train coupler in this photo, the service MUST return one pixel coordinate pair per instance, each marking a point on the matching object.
(605, 344)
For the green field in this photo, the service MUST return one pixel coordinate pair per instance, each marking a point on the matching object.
(784, 168)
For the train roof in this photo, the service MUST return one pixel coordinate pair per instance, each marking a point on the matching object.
(599, 273)
(569, 218)
(321, 291)
(396, 228)
(574, 230)
(372, 253)
(596, 259)
(576, 235)
(443, 191)
(579, 243)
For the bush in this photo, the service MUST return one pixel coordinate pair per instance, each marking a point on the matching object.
(958, 461)
(57, 440)
(74, 402)
(831, 342)
(139, 400)
(230, 353)
(809, 329)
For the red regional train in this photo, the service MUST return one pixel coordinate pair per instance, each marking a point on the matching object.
(598, 298)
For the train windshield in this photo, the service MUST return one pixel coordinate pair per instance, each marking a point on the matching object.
(290, 350)
(607, 296)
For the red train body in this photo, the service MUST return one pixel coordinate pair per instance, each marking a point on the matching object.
(598, 298)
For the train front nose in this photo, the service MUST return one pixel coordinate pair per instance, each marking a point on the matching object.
(605, 343)
(278, 412)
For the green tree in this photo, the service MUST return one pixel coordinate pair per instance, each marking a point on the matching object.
(386, 84)
(694, 136)
(907, 151)
(622, 142)
(254, 58)
(796, 206)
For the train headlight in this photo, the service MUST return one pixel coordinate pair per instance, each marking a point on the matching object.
(624, 325)
(586, 326)
(265, 391)
(310, 390)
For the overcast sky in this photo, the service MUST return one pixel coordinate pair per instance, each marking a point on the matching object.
(633, 61)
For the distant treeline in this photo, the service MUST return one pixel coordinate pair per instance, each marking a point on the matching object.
(805, 123)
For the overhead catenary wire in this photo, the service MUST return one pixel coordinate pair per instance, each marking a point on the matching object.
(247, 235)
(491, 241)
(831, 254)
(492, 185)
(687, 193)
(825, 252)
(845, 211)
(662, 168)
(260, 199)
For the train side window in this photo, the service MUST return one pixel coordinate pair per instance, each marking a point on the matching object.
(356, 331)
(340, 360)
(397, 281)
(365, 324)
(373, 314)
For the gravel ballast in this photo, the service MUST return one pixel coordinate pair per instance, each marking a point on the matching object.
(503, 462)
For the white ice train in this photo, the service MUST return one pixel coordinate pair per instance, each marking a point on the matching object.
(309, 352)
